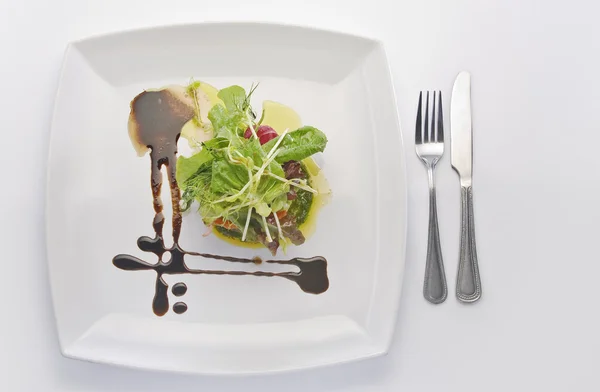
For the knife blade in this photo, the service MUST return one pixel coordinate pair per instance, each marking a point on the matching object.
(468, 282)
(461, 132)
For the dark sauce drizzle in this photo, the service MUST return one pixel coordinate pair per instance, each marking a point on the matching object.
(158, 117)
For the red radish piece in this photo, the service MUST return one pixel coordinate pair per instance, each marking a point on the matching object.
(264, 133)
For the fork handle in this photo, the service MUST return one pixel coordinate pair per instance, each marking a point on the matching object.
(468, 284)
(435, 289)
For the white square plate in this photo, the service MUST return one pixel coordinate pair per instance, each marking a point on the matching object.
(99, 203)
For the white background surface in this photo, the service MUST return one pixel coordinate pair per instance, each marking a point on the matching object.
(536, 91)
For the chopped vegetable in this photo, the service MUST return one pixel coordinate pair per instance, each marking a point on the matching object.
(264, 133)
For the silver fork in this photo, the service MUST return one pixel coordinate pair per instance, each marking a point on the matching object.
(429, 144)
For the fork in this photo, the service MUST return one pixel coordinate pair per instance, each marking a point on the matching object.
(429, 145)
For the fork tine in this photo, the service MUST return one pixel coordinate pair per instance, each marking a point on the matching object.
(433, 124)
(427, 136)
(440, 127)
(419, 130)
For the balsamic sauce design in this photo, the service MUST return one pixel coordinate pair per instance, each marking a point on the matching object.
(155, 123)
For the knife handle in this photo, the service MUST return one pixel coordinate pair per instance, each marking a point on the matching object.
(468, 284)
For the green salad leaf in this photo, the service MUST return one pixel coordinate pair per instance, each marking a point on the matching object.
(197, 188)
(215, 144)
(234, 98)
(269, 187)
(299, 144)
(225, 123)
(251, 153)
(228, 178)
(187, 167)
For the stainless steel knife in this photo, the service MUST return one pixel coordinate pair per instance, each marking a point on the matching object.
(468, 283)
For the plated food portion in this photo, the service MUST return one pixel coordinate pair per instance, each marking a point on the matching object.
(252, 175)
(251, 183)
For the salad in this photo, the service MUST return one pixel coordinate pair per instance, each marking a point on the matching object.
(251, 181)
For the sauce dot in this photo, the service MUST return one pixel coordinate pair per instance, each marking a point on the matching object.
(179, 307)
(179, 289)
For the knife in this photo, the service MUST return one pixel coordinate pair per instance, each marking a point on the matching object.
(468, 283)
